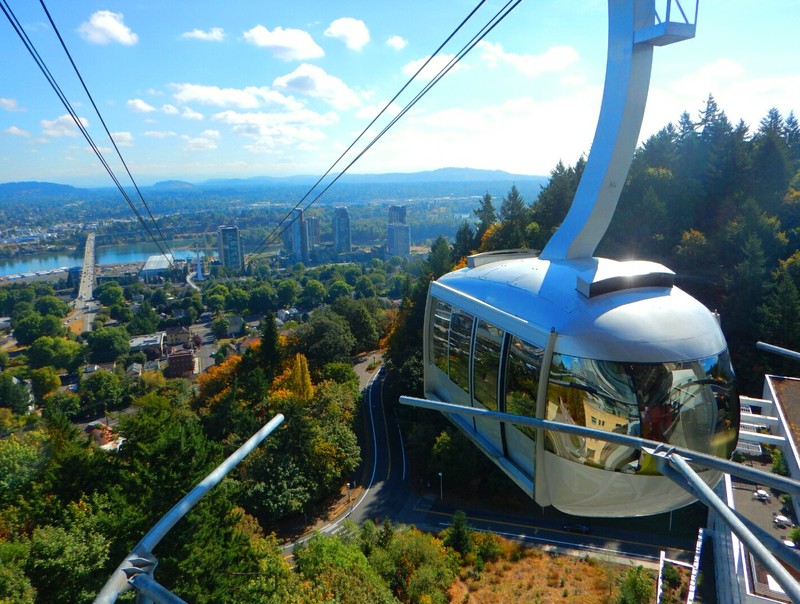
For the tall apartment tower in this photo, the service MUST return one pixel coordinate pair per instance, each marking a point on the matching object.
(230, 248)
(342, 243)
(296, 237)
(397, 215)
(398, 233)
(312, 223)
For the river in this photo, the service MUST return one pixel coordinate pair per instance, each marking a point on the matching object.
(111, 254)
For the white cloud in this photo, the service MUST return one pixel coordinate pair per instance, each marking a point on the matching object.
(9, 104)
(169, 109)
(104, 27)
(123, 139)
(140, 106)
(353, 32)
(199, 143)
(397, 42)
(191, 114)
(554, 59)
(215, 34)
(14, 131)
(431, 69)
(743, 96)
(286, 44)
(160, 134)
(62, 126)
(250, 97)
(313, 81)
(210, 134)
(491, 137)
(271, 131)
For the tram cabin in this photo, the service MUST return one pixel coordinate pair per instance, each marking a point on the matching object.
(590, 342)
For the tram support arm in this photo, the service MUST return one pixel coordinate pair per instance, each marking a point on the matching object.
(677, 469)
(140, 561)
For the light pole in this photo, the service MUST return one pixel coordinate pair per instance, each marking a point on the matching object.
(441, 487)
(348, 492)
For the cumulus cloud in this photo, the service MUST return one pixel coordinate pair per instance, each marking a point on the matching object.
(353, 32)
(286, 44)
(397, 42)
(62, 126)
(554, 59)
(271, 131)
(199, 143)
(191, 114)
(123, 139)
(168, 109)
(250, 97)
(140, 106)
(104, 27)
(9, 104)
(431, 69)
(215, 34)
(14, 131)
(313, 81)
(160, 134)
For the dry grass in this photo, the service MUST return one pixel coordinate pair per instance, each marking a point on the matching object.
(531, 576)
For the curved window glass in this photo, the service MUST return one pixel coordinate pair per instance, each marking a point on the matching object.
(693, 404)
(522, 380)
(439, 333)
(460, 337)
(486, 363)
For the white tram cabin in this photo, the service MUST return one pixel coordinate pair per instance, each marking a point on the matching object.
(590, 342)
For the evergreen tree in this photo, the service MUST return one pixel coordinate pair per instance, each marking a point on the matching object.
(486, 216)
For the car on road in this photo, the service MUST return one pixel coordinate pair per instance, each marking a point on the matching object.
(577, 527)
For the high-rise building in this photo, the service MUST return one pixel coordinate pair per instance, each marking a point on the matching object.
(398, 233)
(230, 248)
(398, 239)
(397, 215)
(296, 237)
(342, 243)
(312, 223)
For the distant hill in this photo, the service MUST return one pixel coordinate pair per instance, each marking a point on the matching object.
(173, 184)
(439, 175)
(22, 190)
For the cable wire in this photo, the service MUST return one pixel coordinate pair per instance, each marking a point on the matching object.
(40, 63)
(269, 238)
(102, 121)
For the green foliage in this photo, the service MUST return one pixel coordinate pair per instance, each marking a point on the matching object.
(779, 462)
(67, 563)
(636, 587)
(22, 459)
(457, 535)
(56, 352)
(341, 570)
(325, 339)
(107, 343)
(44, 381)
(13, 394)
(102, 390)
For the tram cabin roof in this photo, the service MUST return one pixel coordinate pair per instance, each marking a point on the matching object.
(601, 308)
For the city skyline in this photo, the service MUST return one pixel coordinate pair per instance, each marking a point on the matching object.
(309, 78)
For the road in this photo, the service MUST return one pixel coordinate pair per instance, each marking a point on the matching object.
(387, 494)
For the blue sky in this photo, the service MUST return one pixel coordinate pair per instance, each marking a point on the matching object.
(201, 89)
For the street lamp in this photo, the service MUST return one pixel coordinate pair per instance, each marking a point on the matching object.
(441, 487)
(348, 492)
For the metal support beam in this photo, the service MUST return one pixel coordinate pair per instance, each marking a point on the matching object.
(141, 558)
(688, 479)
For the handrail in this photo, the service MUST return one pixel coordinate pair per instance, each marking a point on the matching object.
(140, 560)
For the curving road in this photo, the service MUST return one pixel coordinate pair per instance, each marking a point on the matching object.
(388, 494)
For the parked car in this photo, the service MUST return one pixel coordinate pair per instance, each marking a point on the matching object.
(575, 527)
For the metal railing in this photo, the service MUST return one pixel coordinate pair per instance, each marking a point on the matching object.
(136, 570)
